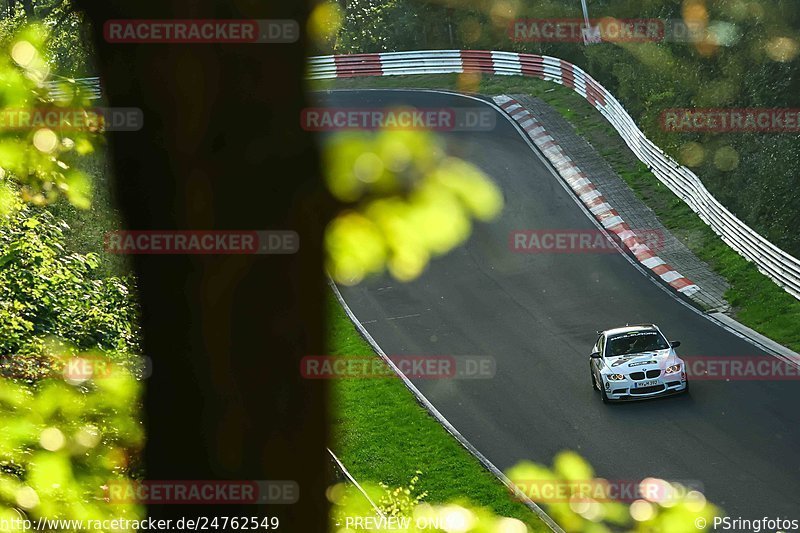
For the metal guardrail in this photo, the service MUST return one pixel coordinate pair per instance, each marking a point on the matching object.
(65, 89)
(780, 266)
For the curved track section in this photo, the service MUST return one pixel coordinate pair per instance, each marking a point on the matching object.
(536, 314)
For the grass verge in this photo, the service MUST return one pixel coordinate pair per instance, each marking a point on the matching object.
(756, 300)
(88, 227)
(382, 434)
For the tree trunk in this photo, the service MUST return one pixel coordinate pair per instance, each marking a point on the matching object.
(222, 148)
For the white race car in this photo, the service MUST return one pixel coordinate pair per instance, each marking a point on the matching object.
(636, 362)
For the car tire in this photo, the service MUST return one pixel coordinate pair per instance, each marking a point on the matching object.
(686, 390)
(594, 380)
(604, 396)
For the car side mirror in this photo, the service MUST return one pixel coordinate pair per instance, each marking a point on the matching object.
(595, 355)
(674, 344)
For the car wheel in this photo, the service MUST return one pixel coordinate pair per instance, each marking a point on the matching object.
(604, 396)
(594, 380)
(686, 390)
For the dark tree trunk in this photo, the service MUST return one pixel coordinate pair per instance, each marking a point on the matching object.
(222, 148)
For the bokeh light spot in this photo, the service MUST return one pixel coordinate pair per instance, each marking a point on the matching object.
(52, 439)
(23, 53)
(642, 510)
(726, 158)
(88, 436)
(782, 49)
(510, 525)
(695, 501)
(27, 498)
(691, 154)
(45, 140)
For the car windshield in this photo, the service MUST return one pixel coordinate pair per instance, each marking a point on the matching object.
(635, 342)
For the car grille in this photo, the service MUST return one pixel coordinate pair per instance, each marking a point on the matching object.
(647, 390)
(638, 376)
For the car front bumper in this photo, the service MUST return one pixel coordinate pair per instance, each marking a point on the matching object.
(627, 389)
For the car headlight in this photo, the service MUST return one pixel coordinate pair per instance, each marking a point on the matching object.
(615, 377)
(672, 369)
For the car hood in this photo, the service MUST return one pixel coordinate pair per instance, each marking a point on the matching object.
(642, 361)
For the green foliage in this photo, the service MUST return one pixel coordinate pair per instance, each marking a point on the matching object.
(395, 502)
(401, 501)
(64, 435)
(61, 444)
(88, 227)
(40, 162)
(47, 292)
(323, 25)
(410, 201)
(379, 25)
(68, 42)
(662, 507)
(754, 175)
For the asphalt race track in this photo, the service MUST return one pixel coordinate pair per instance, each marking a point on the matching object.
(537, 314)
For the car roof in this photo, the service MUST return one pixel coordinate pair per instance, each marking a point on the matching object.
(628, 329)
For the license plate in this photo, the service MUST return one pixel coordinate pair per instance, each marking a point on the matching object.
(650, 383)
